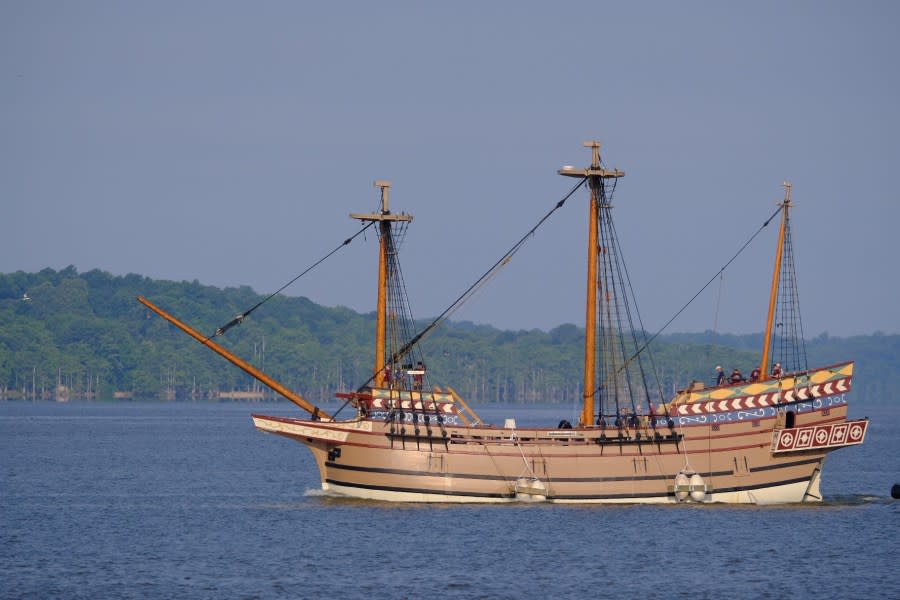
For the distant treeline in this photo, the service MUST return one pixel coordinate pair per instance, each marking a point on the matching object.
(83, 335)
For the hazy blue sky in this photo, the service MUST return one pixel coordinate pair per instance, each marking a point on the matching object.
(228, 142)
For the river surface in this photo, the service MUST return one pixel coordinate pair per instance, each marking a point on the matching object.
(180, 500)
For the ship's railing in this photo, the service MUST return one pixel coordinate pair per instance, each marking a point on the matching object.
(791, 387)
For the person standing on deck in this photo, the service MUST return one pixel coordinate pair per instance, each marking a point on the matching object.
(419, 375)
(720, 376)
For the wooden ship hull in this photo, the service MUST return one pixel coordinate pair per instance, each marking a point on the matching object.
(749, 446)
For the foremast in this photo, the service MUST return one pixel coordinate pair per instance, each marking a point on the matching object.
(384, 218)
(596, 175)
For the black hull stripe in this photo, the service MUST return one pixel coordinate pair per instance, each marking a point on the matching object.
(385, 471)
(808, 461)
(409, 473)
(672, 494)
(386, 488)
(646, 495)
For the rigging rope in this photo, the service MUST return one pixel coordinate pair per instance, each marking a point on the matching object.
(792, 347)
(470, 291)
(635, 341)
(239, 318)
(491, 272)
(694, 297)
(718, 301)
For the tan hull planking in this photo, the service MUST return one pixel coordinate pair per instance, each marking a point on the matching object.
(491, 464)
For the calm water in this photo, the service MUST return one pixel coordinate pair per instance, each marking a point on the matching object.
(189, 501)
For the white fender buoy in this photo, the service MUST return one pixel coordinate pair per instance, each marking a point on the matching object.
(682, 485)
(530, 489)
(698, 488)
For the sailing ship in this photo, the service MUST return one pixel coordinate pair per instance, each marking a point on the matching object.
(762, 441)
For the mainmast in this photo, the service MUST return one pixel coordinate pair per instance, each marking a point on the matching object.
(385, 247)
(595, 174)
(773, 294)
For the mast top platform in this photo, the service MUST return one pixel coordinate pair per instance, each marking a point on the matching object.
(385, 214)
(595, 170)
(787, 185)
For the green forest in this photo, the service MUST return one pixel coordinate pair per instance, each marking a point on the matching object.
(69, 335)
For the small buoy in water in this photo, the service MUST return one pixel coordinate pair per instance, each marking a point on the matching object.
(895, 491)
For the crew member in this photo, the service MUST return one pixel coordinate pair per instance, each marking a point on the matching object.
(720, 376)
(419, 375)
